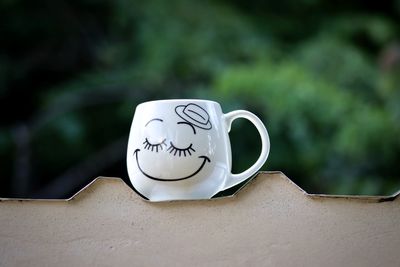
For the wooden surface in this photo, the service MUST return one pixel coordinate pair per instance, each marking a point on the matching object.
(271, 222)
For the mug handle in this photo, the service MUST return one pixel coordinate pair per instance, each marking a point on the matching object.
(265, 145)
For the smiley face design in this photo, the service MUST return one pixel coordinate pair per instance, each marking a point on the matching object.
(195, 121)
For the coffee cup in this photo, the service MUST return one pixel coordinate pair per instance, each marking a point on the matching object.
(180, 149)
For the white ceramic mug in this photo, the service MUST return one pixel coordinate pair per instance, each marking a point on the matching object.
(180, 149)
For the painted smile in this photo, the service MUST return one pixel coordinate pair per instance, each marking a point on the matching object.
(205, 159)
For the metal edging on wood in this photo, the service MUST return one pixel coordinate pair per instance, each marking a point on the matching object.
(366, 198)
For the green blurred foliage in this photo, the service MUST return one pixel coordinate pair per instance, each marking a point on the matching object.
(324, 77)
(320, 131)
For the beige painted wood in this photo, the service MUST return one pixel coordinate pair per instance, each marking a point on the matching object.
(271, 222)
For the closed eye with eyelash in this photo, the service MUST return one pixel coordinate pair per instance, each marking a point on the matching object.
(180, 151)
(159, 146)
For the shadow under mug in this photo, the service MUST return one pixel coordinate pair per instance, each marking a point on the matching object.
(180, 149)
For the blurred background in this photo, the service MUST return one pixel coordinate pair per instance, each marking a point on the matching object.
(324, 76)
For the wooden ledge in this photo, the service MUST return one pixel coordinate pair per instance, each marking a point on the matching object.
(270, 222)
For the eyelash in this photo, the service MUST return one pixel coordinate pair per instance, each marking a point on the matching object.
(148, 145)
(180, 151)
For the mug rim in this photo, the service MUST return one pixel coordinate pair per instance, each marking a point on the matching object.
(178, 100)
